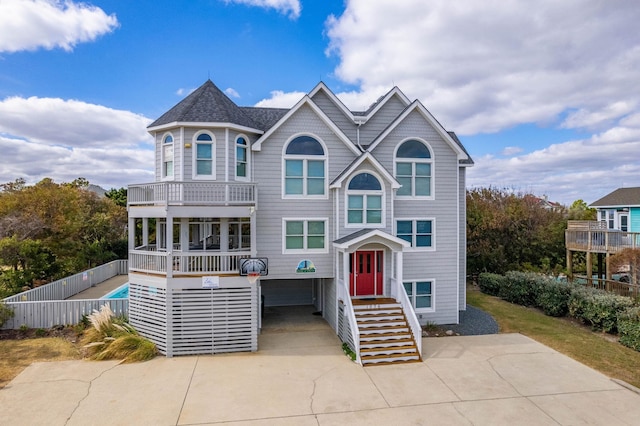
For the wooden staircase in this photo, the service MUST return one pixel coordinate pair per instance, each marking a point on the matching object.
(385, 335)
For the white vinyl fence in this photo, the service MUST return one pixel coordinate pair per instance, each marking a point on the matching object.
(45, 306)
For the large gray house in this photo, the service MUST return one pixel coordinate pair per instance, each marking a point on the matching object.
(358, 213)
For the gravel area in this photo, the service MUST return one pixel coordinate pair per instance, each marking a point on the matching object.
(473, 322)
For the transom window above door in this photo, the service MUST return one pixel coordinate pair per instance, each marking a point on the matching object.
(364, 201)
(304, 169)
(413, 170)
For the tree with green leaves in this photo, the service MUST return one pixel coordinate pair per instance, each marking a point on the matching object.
(49, 230)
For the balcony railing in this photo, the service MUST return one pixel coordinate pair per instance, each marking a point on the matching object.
(192, 193)
(186, 263)
(594, 237)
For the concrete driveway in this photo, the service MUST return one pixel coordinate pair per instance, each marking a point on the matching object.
(301, 377)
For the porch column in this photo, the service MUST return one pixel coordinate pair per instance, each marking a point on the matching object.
(399, 267)
(132, 233)
(169, 240)
(254, 233)
(589, 268)
(569, 265)
(145, 231)
(184, 234)
(224, 244)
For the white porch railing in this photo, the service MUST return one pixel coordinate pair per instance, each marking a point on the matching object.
(186, 263)
(182, 193)
(398, 293)
(349, 313)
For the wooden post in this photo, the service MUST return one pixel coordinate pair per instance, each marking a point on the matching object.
(569, 264)
(589, 268)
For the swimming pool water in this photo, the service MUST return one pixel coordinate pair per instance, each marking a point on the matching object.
(121, 292)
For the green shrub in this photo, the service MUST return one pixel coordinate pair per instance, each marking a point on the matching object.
(629, 328)
(490, 283)
(520, 288)
(6, 312)
(597, 308)
(553, 297)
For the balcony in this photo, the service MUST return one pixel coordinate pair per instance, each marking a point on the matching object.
(192, 193)
(594, 237)
(179, 263)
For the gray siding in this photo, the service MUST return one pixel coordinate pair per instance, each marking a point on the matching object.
(336, 114)
(272, 207)
(463, 239)
(385, 116)
(440, 265)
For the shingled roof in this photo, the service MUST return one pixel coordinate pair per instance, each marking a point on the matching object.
(621, 197)
(207, 104)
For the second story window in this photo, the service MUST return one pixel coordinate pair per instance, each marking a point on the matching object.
(364, 200)
(241, 158)
(304, 169)
(204, 157)
(413, 169)
(167, 156)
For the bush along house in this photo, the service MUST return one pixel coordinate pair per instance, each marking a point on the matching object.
(359, 213)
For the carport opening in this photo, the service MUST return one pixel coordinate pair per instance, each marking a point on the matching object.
(291, 304)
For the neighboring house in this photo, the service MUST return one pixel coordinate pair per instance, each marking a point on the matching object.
(617, 228)
(361, 214)
(620, 209)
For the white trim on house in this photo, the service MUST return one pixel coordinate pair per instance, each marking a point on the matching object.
(414, 219)
(306, 100)
(305, 175)
(305, 221)
(194, 152)
(247, 149)
(413, 281)
(163, 174)
(204, 125)
(431, 161)
(417, 106)
(366, 156)
(365, 193)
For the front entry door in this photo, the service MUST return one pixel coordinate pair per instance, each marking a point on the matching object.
(366, 268)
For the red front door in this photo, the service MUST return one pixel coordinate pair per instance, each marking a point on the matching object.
(366, 273)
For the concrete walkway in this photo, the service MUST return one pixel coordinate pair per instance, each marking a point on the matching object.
(303, 378)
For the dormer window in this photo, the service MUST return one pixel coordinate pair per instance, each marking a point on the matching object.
(167, 157)
(204, 156)
(304, 169)
(413, 169)
(364, 201)
(242, 162)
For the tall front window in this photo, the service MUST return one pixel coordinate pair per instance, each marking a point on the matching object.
(167, 156)
(364, 200)
(204, 165)
(241, 157)
(305, 235)
(413, 169)
(304, 168)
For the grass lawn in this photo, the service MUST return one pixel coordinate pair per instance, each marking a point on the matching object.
(18, 354)
(597, 350)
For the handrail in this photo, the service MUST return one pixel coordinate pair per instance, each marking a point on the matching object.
(351, 316)
(183, 193)
(398, 292)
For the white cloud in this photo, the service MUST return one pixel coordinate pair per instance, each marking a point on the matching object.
(231, 92)
(292, 8)
(509, 151)
(487, 66)
(280, 99)
(66, 139)
(33, 24)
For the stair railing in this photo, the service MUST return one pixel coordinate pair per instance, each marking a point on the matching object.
(398, 292)
(350, 317)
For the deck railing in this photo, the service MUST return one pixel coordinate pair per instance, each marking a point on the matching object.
(594, 237)
(398, 292)
(620, 288)
(192, 193)
(186, 263)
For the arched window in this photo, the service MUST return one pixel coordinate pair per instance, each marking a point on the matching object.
(167, 156)
(204, 156)
(241, 158)
(413, 169)
(304, 168)
(364, 200)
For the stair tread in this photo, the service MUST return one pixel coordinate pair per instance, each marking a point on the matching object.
(390, 348)
(382, 356)
(387, 341)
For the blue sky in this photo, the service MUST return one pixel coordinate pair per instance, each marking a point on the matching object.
(545, 100)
